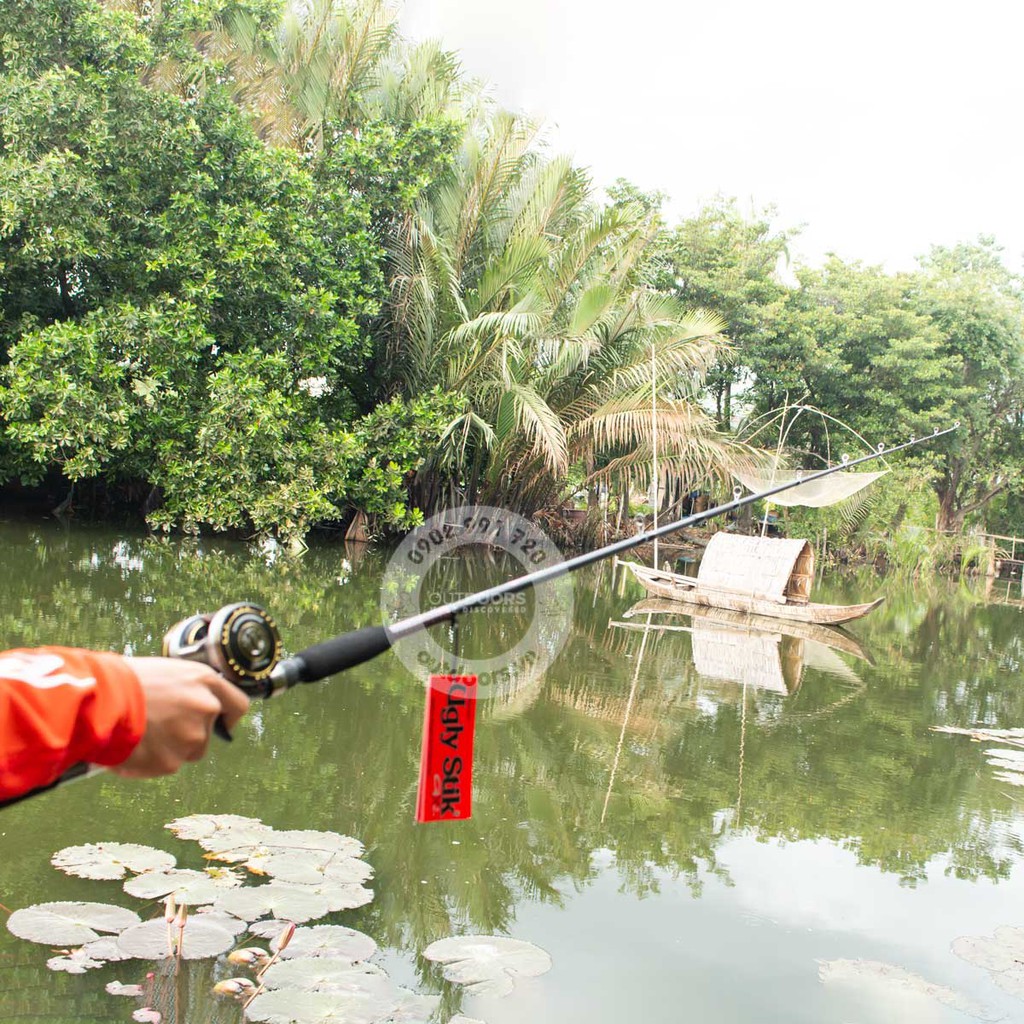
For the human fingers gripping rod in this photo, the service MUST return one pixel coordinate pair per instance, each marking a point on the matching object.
(226, 627)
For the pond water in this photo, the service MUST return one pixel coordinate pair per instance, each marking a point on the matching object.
(684, 846)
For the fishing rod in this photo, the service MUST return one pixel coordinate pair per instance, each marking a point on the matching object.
(241, 641)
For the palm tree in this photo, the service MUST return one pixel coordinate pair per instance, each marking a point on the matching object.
(511, 287)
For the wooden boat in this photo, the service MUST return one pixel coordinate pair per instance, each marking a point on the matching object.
(758, 575)
(834, 637)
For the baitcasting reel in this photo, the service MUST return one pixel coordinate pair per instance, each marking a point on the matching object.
(240, 641)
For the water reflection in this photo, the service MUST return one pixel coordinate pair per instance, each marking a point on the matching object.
(764, 654)
(607, 789)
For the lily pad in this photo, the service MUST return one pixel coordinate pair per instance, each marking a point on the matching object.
(69, 924)
(187, 886)
(110, 860)
(338, 895)
(201, 939)
(860, 972)
(311, 840)
(228, 922)
(294, 1006)
(202, 826)
(75, 962)
(330, 940)
(116, 988)
(413, 1008)
(486, 964)
(235, 844)
(327, 974)
(1002, 955)
(104, 948)
(288, 902)
(268, 929)
(313, 867)
(1002, 951)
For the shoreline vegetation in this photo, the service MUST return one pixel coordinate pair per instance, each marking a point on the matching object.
(265, 268)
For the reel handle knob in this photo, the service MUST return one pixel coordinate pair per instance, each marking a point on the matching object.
(239, 641)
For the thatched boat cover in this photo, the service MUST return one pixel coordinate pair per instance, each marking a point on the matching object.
(769, 568)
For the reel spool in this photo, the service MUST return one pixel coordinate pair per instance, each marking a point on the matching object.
(240, 641)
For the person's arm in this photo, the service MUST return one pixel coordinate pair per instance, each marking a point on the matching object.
(140, 716)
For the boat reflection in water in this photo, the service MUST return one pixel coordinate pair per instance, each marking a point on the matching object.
(750, 650)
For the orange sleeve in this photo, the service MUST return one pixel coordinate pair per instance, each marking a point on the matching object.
(62, 705)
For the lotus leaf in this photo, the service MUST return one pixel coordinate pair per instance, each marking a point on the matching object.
(860, 972)
(201, 939)
(413, 1008)
(268, 929)
(486, 964)
(1002, 955)
(312, 867)
(1002, 952)
(228, 922)
(187, 886)
(327, 974)
(294, 1006)
(235, 844)
(110, 860)
(69, 924)
(76, 962)
(311, 840)
(288, 902)
(105, 948)
(338, 895)
(331, 940)
(202, 826)
(115, 988)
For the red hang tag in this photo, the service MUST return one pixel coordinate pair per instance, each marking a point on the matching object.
(446, 761)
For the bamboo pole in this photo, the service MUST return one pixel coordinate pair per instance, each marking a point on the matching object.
(654, 447)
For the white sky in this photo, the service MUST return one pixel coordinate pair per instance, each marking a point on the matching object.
(883, 126)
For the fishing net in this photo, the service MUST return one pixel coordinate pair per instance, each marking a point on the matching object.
(814, 493)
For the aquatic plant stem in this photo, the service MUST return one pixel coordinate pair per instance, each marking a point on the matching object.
(286, 937)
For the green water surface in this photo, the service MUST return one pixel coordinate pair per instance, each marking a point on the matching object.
(690, 853)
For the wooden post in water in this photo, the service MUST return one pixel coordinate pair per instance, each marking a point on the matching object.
(654, 447)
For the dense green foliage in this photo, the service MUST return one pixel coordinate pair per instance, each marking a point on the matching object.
(263, 264)
(182, 304)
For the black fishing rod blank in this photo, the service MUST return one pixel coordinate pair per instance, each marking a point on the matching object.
(350, 649)
(241, 641)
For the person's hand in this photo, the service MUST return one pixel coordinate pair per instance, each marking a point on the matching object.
(183, 700)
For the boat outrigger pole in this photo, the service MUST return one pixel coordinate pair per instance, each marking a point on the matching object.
(351, 649)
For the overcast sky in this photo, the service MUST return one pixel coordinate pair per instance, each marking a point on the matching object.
(882, 126)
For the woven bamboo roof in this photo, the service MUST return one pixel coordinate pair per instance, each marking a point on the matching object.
(770, 568)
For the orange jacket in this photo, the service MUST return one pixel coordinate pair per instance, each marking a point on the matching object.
(61, 705)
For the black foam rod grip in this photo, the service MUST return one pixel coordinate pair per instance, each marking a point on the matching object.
(322, 660)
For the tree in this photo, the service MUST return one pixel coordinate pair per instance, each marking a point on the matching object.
(726, 262)
(156, 254)
(511, 287)
(976, 305)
